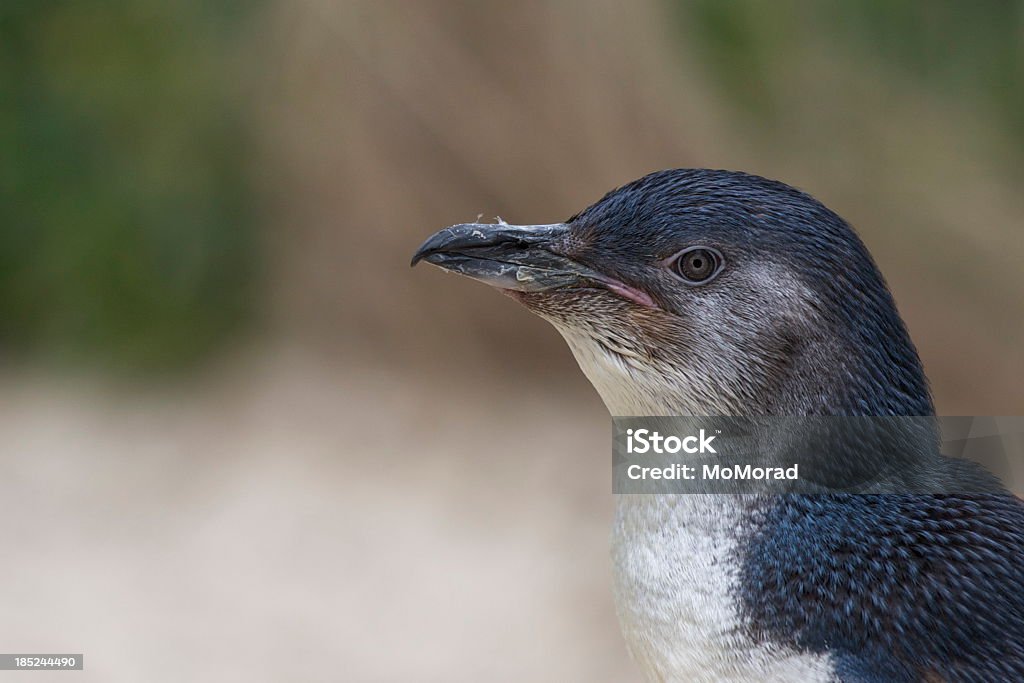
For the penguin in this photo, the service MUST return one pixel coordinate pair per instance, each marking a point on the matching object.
(709, 292)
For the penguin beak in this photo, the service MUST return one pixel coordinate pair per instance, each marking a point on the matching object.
(515, 257)
(521, 258)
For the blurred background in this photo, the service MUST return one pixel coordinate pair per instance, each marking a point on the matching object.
(241, 440)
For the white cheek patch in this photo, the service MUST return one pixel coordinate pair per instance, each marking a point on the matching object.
(784, 294)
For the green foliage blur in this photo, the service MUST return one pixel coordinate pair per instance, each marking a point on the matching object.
(129, 235)
(762, 53)
(126, 239)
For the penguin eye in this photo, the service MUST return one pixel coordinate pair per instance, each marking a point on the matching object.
(697, 265)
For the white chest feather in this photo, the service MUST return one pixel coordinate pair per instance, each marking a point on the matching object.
(675, 560)
(675, 570)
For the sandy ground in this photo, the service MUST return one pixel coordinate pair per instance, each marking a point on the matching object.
(293, 519)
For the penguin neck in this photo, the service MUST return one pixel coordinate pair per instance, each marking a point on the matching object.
(870, 373)
(817, 380)
(872, 369)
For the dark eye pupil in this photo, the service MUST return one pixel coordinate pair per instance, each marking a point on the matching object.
(697, 265)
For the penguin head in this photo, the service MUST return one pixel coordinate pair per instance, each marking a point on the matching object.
(702, 292)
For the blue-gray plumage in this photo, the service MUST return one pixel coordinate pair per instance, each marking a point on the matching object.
(893, 587)
(696, 292)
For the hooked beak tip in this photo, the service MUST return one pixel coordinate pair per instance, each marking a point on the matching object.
(437, 244)
(424, 250)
